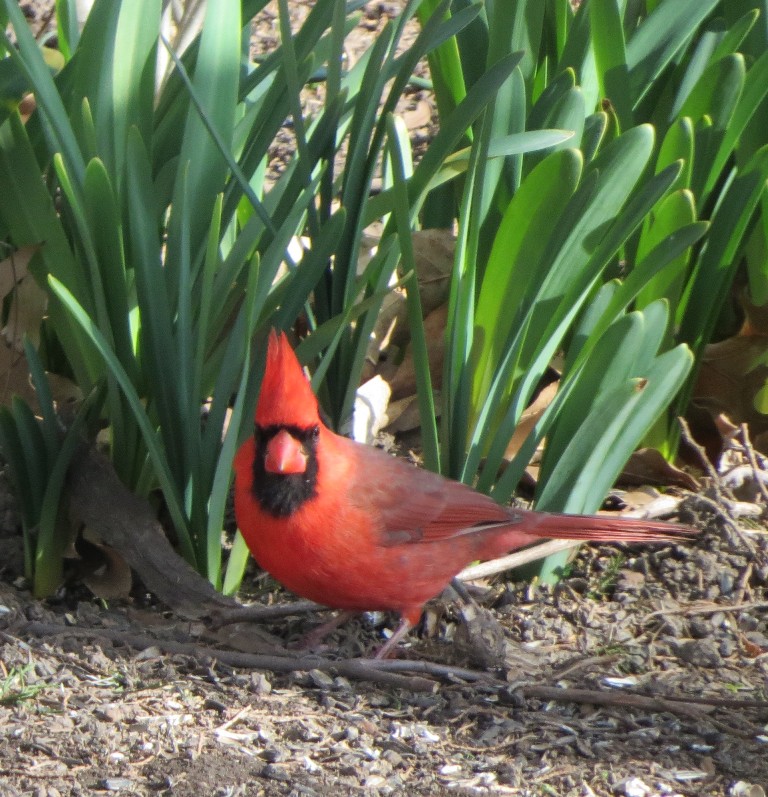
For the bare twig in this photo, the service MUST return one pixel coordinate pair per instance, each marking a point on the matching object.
(399, 674)
(257, 613)
(678, 706)
(730, 526)
(690, 611)
(709, 468)
(517, 559)
(756, 471)
(596, 698)
(382, 672)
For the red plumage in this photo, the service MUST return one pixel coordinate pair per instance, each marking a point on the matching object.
(353, 528)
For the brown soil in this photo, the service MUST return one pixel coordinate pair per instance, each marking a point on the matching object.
(660, 656)
(130, 699)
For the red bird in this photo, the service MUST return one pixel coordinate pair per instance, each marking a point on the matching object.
(353, 528)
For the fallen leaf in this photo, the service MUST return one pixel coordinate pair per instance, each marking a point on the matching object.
(529, 418)
(103, 570)
(15, 267)
(732, 382)
(433, 254)
(404, 414)
(403, 382)
(420, 116)
(648, 466)
(28, 305)
(14, 378)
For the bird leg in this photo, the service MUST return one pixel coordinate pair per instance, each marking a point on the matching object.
(388, 647)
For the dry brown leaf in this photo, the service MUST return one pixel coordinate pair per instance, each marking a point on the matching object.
(26, 311)
(730, 390)
(729, 380)
(636, 499)
(403, 382)
(27, 107)
(14, 377)
(16, 267)
(433, 255)
(433, 251)
(420, 116)
(14, 372)
(103, 570)
(404, 414)
(63, 390)
(28, 305)
(648, 466)
(529, 418)
(112, 578)
(28, 299)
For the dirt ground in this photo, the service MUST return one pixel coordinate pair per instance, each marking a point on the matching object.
(643, 673)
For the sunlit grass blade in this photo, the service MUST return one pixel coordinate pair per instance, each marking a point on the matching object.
(653, 45)
(418, 349)
(219, 487)
(611, 56)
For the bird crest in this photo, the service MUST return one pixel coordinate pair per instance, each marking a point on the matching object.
(286, 397)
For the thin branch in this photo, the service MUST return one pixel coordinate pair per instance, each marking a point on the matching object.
(517, 559)
(358, 669)
(756, 471)
(680, 706)
(255, 612)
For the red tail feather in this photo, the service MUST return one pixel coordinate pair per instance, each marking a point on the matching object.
(600, 528)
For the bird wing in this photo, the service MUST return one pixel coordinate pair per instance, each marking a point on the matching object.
(416, 505)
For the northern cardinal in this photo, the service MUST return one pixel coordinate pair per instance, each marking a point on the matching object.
(353, 528)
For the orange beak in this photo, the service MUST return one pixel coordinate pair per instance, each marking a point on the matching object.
(285, 454)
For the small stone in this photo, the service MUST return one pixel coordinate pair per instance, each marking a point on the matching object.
(321, 679)
(727, 582)
(310, 765)
(112, 712)
(393, 758)
(700, 627)
(450, 769)
(273, 755)
(631, 580)
(116, 784)
(700, 653)
(727, 648)
(342, 684)
(275, 772)
(719, 620)
(260, 683)
(214, 705)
